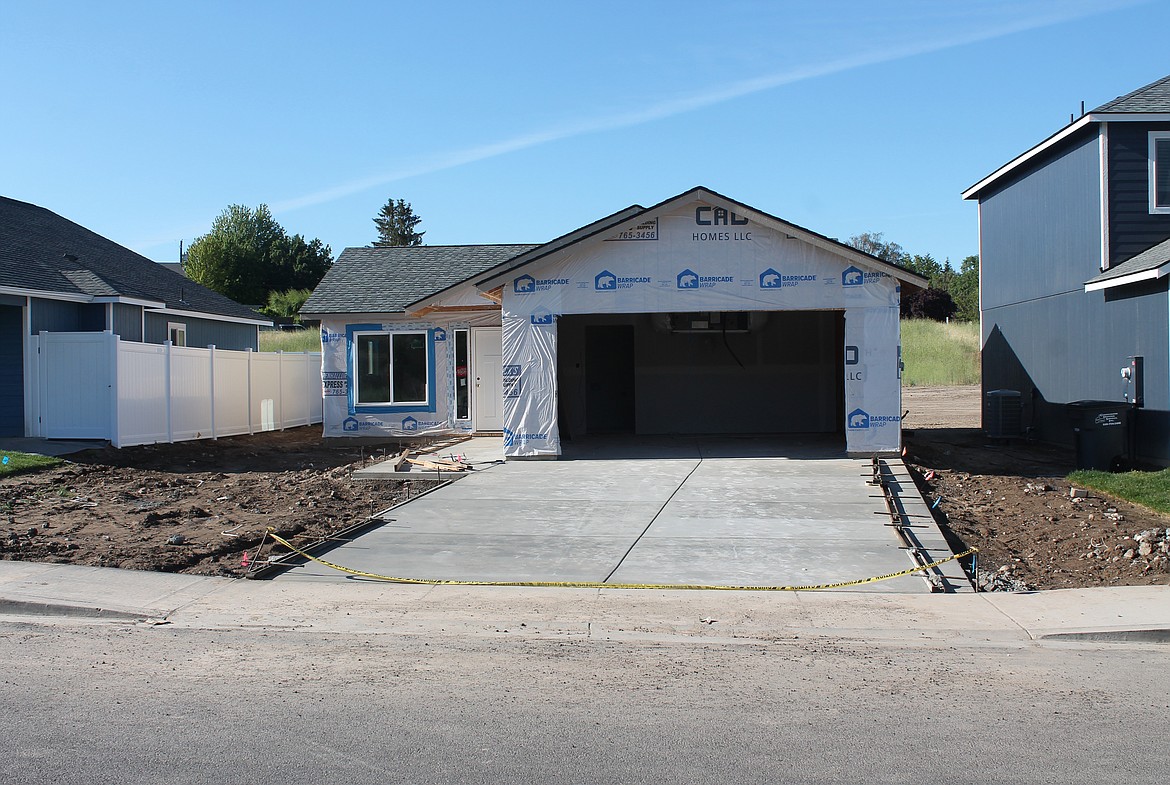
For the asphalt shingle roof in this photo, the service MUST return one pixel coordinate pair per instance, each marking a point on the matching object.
(41, 251)
(387, 280)
(1149, 259)
(1154, 97)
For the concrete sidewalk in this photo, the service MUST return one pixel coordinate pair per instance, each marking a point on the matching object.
(90, 594)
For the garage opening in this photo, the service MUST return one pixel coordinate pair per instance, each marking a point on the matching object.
(725, 373)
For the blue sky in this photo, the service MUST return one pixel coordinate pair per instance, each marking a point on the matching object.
(518, 122)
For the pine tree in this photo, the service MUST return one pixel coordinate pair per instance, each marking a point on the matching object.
(396, 221)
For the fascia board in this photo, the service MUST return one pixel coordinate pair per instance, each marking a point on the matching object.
(1123, 280)
(71, 297)
(212, 316)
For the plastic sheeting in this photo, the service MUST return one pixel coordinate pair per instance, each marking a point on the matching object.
(698, 257)
(530, 387)
(344, 417)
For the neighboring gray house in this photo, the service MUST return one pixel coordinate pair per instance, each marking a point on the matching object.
(57, 276)
(699, 314)
(1074, 263)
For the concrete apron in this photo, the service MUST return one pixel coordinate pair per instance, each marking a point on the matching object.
(757, 512)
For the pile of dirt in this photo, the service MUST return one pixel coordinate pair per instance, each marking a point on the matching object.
(192, 507)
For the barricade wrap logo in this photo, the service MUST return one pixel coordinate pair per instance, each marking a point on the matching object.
(542, 316)
(526, 284)
(689, 279)
(855, 276)
(328, 337)
(515, 439)
(411, 424)
(859, 419)
(772, 279)
(605, 281)
(353, 424)
(440, 334)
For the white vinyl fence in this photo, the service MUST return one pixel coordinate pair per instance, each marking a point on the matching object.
(94, 386)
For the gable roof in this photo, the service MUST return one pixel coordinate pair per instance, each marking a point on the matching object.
(635, 213)
(387, 280)
(42, 253)
(1151, 102)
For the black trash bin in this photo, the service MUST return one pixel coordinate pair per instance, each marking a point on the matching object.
(1101, 432)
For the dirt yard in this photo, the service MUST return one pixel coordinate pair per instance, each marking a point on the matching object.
(197, 507)
(1013, 504)
(193, 507)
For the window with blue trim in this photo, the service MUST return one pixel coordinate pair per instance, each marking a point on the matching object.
(392, 368)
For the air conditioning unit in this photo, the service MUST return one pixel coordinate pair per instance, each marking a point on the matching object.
(1002, 414)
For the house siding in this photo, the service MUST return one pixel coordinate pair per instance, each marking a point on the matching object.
(128, 321)
(1072, 347)
(203, 332)
(11, 370)
(1042, 234)
(1132, 229)
(1042, 333)
(61, 316)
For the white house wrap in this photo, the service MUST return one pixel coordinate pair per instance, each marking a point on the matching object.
(699, 315)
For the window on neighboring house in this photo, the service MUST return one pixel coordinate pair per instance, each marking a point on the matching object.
(391, 368)
(177, 333)
(1160, 171)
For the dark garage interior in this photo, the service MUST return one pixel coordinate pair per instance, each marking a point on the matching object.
(739, 372)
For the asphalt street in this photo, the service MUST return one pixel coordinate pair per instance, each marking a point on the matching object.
(88, 700)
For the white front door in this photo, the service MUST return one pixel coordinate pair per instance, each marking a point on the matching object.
(487, 401)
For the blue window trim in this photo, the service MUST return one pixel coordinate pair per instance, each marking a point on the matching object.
(387, 408)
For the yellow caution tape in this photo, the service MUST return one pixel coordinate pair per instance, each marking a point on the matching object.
(597, 585)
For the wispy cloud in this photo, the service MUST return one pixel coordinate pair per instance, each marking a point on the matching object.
(1032, 17)
(1045, 16)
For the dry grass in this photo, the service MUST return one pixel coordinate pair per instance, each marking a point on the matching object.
(939, 353)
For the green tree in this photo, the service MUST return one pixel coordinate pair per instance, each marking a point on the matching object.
(873, 244)
(396, 222)
(962, 286)
(247, 254)
(926, 266)
(287, 303)
(965, 290)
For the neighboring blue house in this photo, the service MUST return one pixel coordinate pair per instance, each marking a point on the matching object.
(57, 276)
(1074, 263)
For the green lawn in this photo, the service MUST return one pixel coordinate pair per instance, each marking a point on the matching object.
(12, 462)
(290, 340)
(937, 354)
(1149, 489)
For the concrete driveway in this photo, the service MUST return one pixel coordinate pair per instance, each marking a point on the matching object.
(710, 510)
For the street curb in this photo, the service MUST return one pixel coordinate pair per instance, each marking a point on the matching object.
(1112, 636)
(26, 608)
